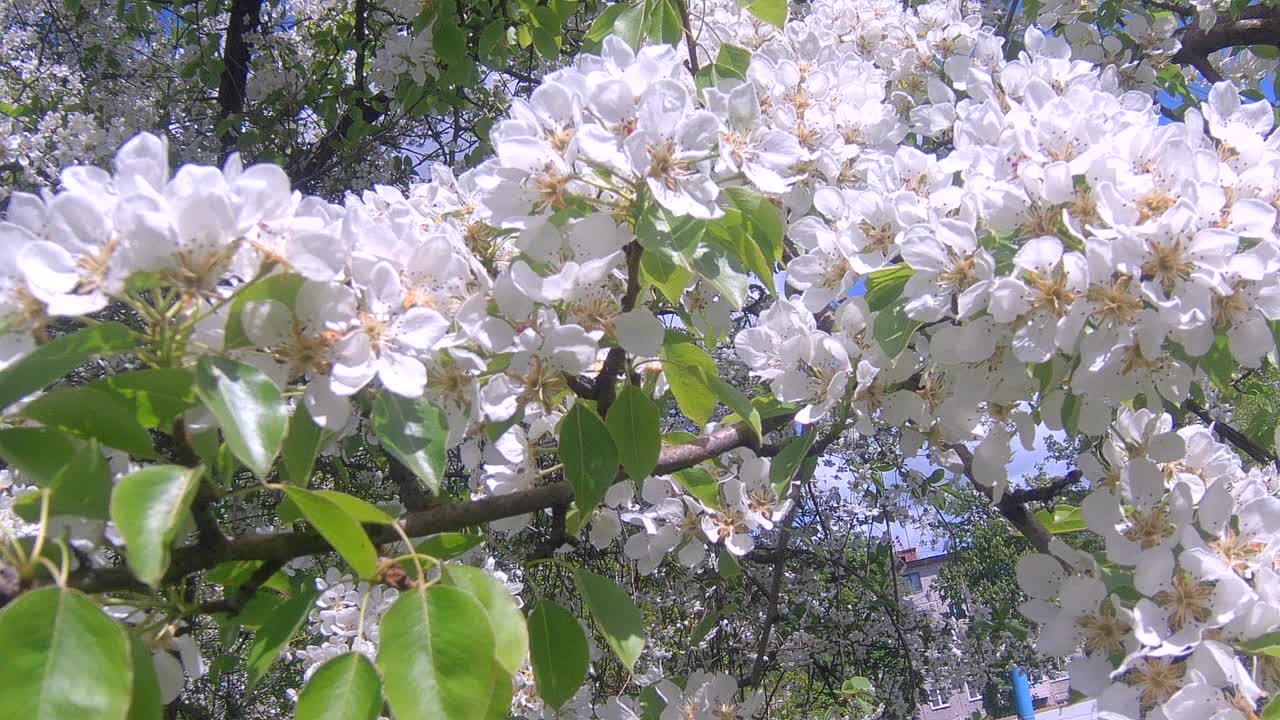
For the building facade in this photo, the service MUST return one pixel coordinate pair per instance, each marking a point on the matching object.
(962, 703)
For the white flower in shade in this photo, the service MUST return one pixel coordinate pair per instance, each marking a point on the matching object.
(731, 524)
(639, 332)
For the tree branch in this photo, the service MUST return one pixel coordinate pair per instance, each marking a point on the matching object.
(1048, 492)
(1256, 25)
(1015, 512)
(284, 546)
(245, 17)
(683, 6)
(1231, 434)
(773, 611)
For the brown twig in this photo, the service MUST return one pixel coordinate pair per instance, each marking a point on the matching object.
(285, 546)
(1014, 511)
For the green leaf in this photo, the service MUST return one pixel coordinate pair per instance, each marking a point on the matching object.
(885, 285)
(687, 368)
(72, 468)
(603, 25)
(728, 565)
(362, 511)
(789, 460)
(301, 446)
(856, 686)
(546, 43)
(1219, 363)
(343, 688)
(893, 330)
(699, 483)
(633, 423)
(51, 361)
(338, 528)
(274, 635)
(631, 24)
(279, 288)
(248, 407)
(64, 659)
(93, 413)
(1271, 711)
(709, 621)
(773, 12)
(1071, 414)
(449, 545)
(144, 696)
(558, 653)
(614, 614)
(415, 432)
(147, 507)
(447, 37)
(510, 634)
(733, 398)
(436, 656)
(761, 219)
(671, 279)
(664, 21)
(734, 61)
(589, 457)
(156, 396)
(1063, 519)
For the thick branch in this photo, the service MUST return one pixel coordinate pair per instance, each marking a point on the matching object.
(1015, 512)
(245, 16)
(284, 546)
(683, 5)
(305, 167)
(1230, 434)
(1257, 25)
(773, 612)
(1048, 492)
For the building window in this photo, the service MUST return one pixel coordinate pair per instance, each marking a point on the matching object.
(970, 693)
(913, 582)
(939, 698)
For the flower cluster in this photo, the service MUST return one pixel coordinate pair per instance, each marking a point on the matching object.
(1188, 575)
(972, 246)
